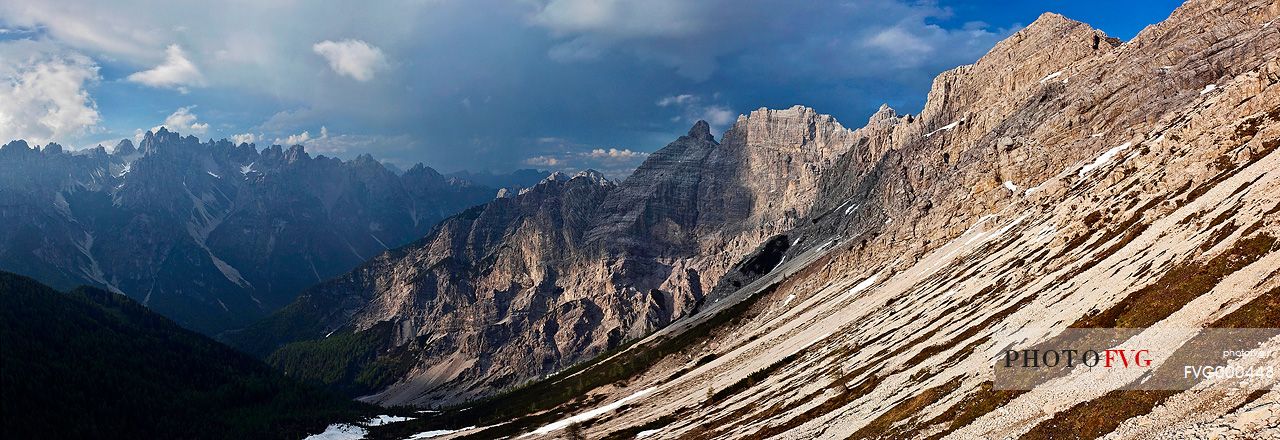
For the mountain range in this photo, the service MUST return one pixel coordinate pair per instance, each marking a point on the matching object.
(211, 234)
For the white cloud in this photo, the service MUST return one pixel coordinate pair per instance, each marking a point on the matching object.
(42, 92)
(176, 72)
(327, 143)
(614, 153)
(544, 161)
(617, 163)
(353, 58)
(675, 100)
(244, 138)
(304, 137)
(183, 121)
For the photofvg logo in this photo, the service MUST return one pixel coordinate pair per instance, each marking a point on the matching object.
(1108, 358)
(1138, 359)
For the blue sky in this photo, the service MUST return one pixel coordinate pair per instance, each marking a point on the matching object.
(484, 84)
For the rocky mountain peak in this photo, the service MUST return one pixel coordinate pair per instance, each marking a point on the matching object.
(885, 115)
(593, 176)
(124, 148)
(701, 130)
(156, 141)
(366, 160)
(16, 148)
(296, 153)
(420, 171)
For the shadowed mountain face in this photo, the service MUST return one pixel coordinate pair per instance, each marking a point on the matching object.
(94, 364)
(213, 235)
(1063, 180)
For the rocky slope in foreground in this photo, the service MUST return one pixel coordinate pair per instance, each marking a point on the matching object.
(211, 234)
(1063, 180)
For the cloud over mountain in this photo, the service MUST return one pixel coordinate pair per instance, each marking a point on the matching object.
(43, 94)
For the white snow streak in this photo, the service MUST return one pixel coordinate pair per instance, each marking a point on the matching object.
(1103, 159)
(863, 285)
(1008, 184)
(1050, 76)
(385, 419)
(590, 414)
(945, 127)
(438, 433)
(1208, 88)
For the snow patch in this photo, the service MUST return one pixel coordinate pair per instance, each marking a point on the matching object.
(385, 419)
(1009, 226)
(945, 127)
(589, 414)
(340, 431)
(788, 299)
(1103, 159)
(1209, 88)
(244, 170)
(1008, 184)
(1033, 189)
(1096, 135)
(438, 433)
(648, 433)
(215, 176)
(850, 208)
(1050, 76)
(863, 285)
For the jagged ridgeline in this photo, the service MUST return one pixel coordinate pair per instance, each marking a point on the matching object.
(94, 364)
(212, 234)
(1064, 179)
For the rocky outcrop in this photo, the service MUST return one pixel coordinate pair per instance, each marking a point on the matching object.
(211, 234)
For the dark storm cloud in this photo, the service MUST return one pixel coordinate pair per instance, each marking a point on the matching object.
(484, 84)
